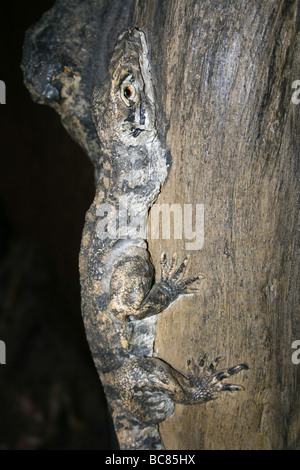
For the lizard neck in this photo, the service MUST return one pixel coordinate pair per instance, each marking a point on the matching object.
(129, 186)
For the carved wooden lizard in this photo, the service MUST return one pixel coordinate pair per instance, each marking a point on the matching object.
(120, 299)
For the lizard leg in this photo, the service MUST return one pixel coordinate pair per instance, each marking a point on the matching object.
(134, 295)
(150, 387)
(172, 284)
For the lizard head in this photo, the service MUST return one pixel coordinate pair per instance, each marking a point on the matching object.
(123, 106)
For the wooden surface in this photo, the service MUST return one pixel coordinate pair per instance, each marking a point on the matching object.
(224, 73)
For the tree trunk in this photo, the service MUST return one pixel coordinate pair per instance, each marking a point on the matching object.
(224, 76)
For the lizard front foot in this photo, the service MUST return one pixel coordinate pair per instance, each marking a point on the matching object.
(172, 280)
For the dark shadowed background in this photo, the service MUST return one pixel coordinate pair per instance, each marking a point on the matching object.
(50, 394)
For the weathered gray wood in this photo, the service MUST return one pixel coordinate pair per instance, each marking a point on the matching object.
(224, 73)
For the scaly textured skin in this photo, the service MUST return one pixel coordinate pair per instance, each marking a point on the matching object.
(120, 298)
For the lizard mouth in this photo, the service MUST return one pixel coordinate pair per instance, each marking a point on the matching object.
(137, 134)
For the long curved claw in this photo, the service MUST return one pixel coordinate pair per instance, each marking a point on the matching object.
(213, 365)
(235, 369)
(231, 388)
(186, 287)
(224, 374)
(163, 267)
(173, 264)
(178, 274)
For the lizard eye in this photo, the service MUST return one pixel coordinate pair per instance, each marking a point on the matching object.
(129, 92)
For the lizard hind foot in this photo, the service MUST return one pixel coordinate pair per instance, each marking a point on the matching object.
(205, 380)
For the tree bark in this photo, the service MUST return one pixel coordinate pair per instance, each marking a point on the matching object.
(224, 74)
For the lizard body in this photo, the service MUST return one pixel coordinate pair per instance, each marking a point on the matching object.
(120, 297)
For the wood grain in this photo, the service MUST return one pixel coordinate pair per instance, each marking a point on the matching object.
(224, 73)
